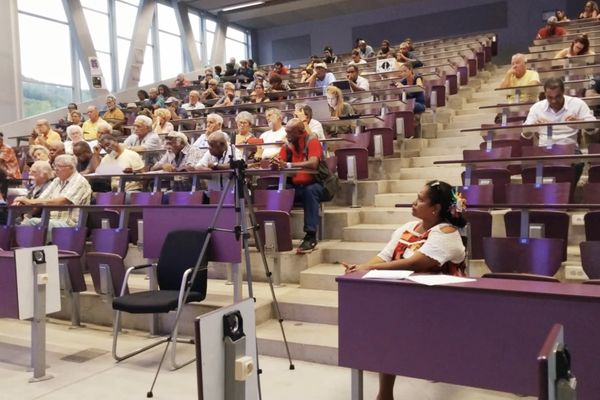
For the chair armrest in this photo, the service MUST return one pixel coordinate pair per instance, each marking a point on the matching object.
(183, 286)
(129, 271)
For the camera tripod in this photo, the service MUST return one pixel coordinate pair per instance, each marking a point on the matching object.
(241, 231)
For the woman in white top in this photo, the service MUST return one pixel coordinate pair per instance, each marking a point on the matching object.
(431, 245)
(75, 134)
(161, 124)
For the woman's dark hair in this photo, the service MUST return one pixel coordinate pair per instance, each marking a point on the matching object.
(441, 193)
(143, 93)
(583, 39)
(166, 91)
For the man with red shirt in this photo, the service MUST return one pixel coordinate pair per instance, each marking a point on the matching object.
(303, 151)
(551, 30)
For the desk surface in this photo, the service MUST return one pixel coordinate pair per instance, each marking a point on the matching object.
(485, 333)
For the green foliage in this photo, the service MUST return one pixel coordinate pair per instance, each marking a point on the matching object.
(43, 97)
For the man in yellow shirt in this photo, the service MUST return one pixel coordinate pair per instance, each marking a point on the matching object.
(42, 134)
(518, 75)
(113, 115)
(90, 127)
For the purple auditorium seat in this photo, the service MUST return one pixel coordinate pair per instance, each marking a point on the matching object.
(491, 154)
(387, 139)
(29, 236)
(140, 199)
(480, 221)
(215, 196)
(517, 255)
(354, 140)
(106, 199)
(472, 64)
(267, 182)
(185, 198)
(488, 53)
(590, 258)
(391, 119)
(561, 170)
(452, 84)
(591, 195)
(499, 178)
(282, 222)
(361, 156)
(480, 56)
(464, 74)
(555, 223)
(515, 144)
(71, 245)
(437, 87)
(109, 248)
(6, 237)
(594, 171)
(271, 200)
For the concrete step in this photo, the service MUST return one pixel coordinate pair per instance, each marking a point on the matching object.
(356, 252)
(425, 173)
(391, 199)
(321, 276)
(468, 123)
(427, 161)
(436, 151)
(366, 192)
(464, 141)
(307, 341)
(415, 185)
(370, 232)
(386, 215)
(309, 305)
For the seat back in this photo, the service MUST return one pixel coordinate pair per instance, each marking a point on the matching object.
(491, 154)
(112, 241)
(590, 258)
(529, 193)
(361, 157)
(69, 239)
(282, 226)
(402, 123)
(555, 150)
(280, 200)
(109, 198)
(185, 198)
(594, 148)
(215, 196)
(387, 139)
(591, 222)
(181, 251)
(145, 198)
(591, 193)
(267, 182)
(500, 177)
(355, 140)
(477, 194)
(30, 236)
(516, 255)
(594, 174)
(6, 232)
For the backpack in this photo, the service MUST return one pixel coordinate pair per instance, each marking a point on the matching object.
(324, 176)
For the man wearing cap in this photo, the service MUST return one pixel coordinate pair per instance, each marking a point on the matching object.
(180, 156)
(365, 50)
(173, 107)
(320, 77)
(551, 30)
(113, 115)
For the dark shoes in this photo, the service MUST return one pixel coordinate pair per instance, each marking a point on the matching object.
(308, 244)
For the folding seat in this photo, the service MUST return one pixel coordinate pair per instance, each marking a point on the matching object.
(495, 173)
(141, 199)
(480, 220)
(95, 218)
(591, 195)
(106, 260)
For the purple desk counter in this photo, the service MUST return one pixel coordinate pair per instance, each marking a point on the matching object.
(483, 334)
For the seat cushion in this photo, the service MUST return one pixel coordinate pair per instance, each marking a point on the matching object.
(152, 301)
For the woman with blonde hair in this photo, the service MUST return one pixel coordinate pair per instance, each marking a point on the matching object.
(161, 121)
(590, 10)
(338, 109)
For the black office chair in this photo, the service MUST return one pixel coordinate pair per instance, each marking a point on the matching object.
(179, 255)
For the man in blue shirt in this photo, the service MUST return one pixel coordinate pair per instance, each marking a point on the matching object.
(320, 77)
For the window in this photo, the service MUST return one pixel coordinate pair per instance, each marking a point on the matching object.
(125, 15)
(169, 41)
(236, 44)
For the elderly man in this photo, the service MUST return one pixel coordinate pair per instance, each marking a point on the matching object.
(217, 158)
(90, 127)
(181, 81)
(55, 149)
(180, 156)
(10, 160)
(113, 115)
(228, 98)
(194, 102)
(214, 122)
(68, 188)
(558, 108)
(42, 133)
(118, 159)
(357, 82)
(518, 75)
(276, 133)
(404, 55)
(303, 151)
(143, 139)
(212, 92)
(320, 77)
(156, 100)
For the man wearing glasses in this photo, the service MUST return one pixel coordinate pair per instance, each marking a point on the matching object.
(68, 188)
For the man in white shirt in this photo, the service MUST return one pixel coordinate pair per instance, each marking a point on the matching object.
(320, 77)
(194, 102)
(276, 133)
(143, 139)
(214, 123)
(304, 113)
(118, 159)
(217, 158)
(357, 82)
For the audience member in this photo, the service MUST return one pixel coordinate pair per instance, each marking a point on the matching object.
(212, 91)
(385, 51)
(113, 115)
(181, 81)
(561, 16)
(276, 84)
(118, 159)
(579, 46)
(176, 112)
(9, 156)
(39, 153)
(76, 119)
(404, 55)
(409, 78)
(217, 157)
(355, 58)
(276, 133)
(244, 121)
(70, 108)
(87, 161)
(161, 123)
(156, 100)
(180, 156)
(328, 56)
(218, 73)
(410, 44)
(279, 69)
(90, 127)
(55, 149)
(357, 82)
(40, 176)
(365, 50)
(74, 135)
(303, 151)
(228, 99)
(320, 79)
(518, 75)
(303, 112)
(244, 72)
(68, 188)
(305, 74)
(337, 107)
(551, 30)
(208, 75)
(42, 133)
(194, 102)
(143, 139)
(164, 91)
(229, 69)
(144, 98)
(590, 10)
(258, 95)
(214, 123)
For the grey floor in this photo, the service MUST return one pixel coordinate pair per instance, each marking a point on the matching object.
(80, 361)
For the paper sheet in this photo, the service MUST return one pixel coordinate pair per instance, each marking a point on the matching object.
(387, 274)
(431, 280)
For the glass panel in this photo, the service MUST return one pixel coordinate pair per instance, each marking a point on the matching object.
(170, 55)
(98, 5)
(39, 97)
(123, 52)
(86, 93)
(166, 19)
(211, 25)
(48, 8)
(53, 45)
(195, 23)
(147, 75)
(126, 14)
(235, 49)
(236, 34)
(98, 26)
(105, 61)
(132, 2)
(210, 37)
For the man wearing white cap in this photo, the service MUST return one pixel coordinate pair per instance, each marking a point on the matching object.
(551, 30)
(320, 77)
(180, 156)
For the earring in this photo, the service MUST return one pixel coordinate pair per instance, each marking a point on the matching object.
(433, 213)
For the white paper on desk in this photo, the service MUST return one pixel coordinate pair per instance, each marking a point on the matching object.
(386, 274)
(432, 280)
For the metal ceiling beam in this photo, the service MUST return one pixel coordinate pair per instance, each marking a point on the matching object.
(135, 59)
(273, 9)
(188, 41)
